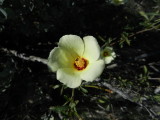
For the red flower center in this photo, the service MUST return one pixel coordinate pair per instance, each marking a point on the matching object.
(80, 63)
(105, 54)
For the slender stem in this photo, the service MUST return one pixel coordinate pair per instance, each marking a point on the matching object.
(101, 38)
(142, 31)
(72, 97)
(78, 116)
(66, 103)
(76, 113)
(97, 87)
(139, 32)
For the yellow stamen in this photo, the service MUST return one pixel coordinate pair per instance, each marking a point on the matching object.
(80, 63)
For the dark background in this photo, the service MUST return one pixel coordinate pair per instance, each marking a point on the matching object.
(34, 27)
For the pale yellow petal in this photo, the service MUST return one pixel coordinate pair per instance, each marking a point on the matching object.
(59, 58)
(92, 49)
(73, 44)
(108, 54)
(93, 71)
(108, 59)
(69, 77)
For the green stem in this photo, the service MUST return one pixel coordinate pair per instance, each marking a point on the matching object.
(139, 32)
(71, 98)
(78, 116)
(97, 87)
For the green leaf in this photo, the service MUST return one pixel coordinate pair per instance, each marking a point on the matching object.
(101, 101)
(66, 98)
(117, 2)
(58, 109)
(143, 14)
(110, 40)
(84, 90)
(157, 97)
(73, 104)
(3, 14)
(145, 69)
(153, 15)
(128, 42)
(55, 86)
(124, 38)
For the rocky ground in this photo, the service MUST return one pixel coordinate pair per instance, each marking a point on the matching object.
(29, 91)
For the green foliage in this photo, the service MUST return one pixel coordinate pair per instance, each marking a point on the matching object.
(118, 2)
(124, 82)
(83, 90)
(157, 98)
(113, 25)
(59, 109)
(124, 39)
(143, 78)
(68, 109)
(151, 20)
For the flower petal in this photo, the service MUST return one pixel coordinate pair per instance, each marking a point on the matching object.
(92, 49)
(59, 58)
(108, 59)
(73, 44)
(69, 77)
(93, 71)
(110, 54)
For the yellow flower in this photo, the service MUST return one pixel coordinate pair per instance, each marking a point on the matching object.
(107, 54)
(75, 60)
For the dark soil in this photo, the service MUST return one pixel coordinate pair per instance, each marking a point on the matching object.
(34, 28)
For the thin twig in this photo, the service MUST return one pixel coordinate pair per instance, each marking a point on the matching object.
(23, 56)
(98, 87)
(124, 95)
(127, 97)
(142, 31)
(139, 32)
